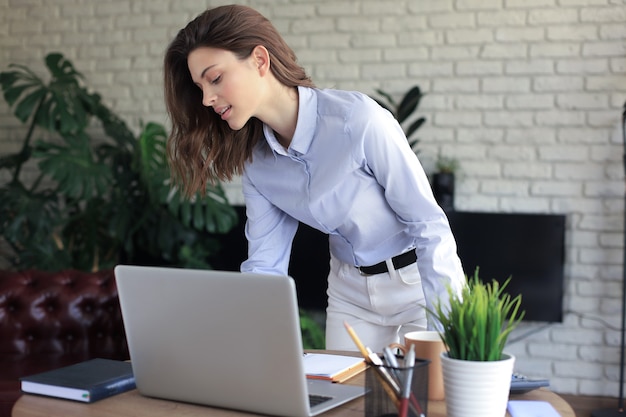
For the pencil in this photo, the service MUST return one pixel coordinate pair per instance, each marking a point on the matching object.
(357, 341)
(373, 359)
(392, 390)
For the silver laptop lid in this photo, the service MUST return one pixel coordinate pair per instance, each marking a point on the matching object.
(224, 339)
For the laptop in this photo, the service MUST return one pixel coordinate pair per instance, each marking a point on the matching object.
(223, 339)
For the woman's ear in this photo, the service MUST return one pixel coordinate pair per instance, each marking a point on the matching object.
(261, 58)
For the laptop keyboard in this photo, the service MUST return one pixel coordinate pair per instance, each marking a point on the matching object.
(317, 399)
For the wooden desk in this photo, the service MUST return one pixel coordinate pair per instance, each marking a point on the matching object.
(133, 404)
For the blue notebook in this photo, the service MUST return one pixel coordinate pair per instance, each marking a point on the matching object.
(87, 381)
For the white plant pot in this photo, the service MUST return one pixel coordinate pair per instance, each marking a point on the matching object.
(476, 389)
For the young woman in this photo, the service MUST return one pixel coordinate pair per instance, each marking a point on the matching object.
(335, 160)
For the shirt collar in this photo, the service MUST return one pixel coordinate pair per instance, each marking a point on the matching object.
(305, 125)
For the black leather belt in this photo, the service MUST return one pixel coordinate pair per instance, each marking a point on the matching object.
(400, 261)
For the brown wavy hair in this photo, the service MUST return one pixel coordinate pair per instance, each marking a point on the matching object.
(201, 147)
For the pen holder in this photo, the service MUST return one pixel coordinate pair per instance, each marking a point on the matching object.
(385, 386)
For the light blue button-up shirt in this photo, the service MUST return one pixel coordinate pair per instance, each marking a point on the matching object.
(349, 172)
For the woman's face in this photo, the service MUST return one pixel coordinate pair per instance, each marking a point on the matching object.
(229, 85)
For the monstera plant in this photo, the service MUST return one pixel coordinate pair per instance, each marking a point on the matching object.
(95, 194)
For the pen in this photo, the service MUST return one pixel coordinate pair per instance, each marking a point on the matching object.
(390, 357)
(375, 360)
(386, 380)
(406, 393)
(389, 384)
(392, 361)
(409, 363)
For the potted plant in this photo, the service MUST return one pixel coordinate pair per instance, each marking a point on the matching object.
(100, 194)
(475, 325)
(403, 110)
(443, 181)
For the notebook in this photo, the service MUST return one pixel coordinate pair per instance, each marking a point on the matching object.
(222, 339)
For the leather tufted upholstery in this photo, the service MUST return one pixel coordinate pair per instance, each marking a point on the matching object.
(49, 320)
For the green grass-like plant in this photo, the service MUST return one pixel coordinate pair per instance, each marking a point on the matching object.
(477, 322)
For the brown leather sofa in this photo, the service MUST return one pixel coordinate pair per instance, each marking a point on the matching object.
(49, 320)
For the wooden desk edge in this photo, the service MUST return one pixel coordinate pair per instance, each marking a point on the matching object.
(133, 404)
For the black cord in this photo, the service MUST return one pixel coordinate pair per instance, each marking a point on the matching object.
(529, 333)
(605, 323)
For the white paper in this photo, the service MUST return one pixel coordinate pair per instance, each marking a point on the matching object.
(520, 408)
(327, 365)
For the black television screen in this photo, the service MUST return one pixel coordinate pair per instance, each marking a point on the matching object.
(527, 247)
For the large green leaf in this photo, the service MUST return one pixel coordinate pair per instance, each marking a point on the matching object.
(77, 174)
(11, 94)
(62, 105)
(113, 125)
(151, 161)
(61, 68)
(211, 213)
(152, 142)
(220, 216)
(29, 102)
(414, 126)
(409, 104)
(15, 83)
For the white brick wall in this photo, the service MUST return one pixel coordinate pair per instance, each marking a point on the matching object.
(526, 93)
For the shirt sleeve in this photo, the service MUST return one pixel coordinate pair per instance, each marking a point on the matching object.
(269, 232)
(408, 192)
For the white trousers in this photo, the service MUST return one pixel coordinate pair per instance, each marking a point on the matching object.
(380, 308)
